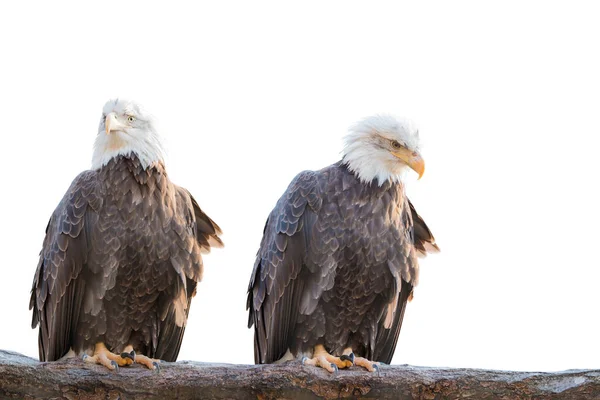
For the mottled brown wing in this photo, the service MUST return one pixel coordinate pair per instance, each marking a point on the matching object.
(387, 339)
(277, 283)
(58, 286)
(423, 239)
(206, 233)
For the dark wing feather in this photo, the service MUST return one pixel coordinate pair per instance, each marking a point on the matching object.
(423, 242)
(207, 230)
(179, 294)
(170, 335)
(58, 286)
(277, 283)
(423, 239)
(385, 343)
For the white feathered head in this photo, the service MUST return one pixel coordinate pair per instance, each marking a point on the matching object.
(126, 128)
(381, 147)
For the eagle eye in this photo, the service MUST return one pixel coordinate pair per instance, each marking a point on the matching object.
(396, 144)
(131, 118)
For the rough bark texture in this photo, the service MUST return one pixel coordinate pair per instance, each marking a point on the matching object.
(25, 378)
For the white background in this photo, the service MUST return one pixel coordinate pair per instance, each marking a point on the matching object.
(506, 96)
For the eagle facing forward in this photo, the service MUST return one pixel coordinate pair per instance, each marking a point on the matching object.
(122, 254)
(338, 260)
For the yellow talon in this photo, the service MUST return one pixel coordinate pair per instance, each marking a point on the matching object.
(150, 363)
(367, 364)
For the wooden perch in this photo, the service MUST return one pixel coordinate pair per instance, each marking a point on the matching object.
(25, 378)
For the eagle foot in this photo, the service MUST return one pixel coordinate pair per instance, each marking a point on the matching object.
(371, 366)
(103, 356)
(321, 358)
(132, 357)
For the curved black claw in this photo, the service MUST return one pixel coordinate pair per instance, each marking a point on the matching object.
(83, 357)
(130, 355)
(304, 359)
(376, 368)
(349, 357)
(156, 366)
(335, 368)
(114, 364)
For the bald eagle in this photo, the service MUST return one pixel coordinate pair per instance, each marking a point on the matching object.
(338, 259)
(122, 254)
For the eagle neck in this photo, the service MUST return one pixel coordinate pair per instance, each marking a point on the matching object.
(129, 167)
(372, 188)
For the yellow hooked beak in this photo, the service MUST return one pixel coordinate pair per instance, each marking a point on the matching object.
(112, 123)
(411, 158)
